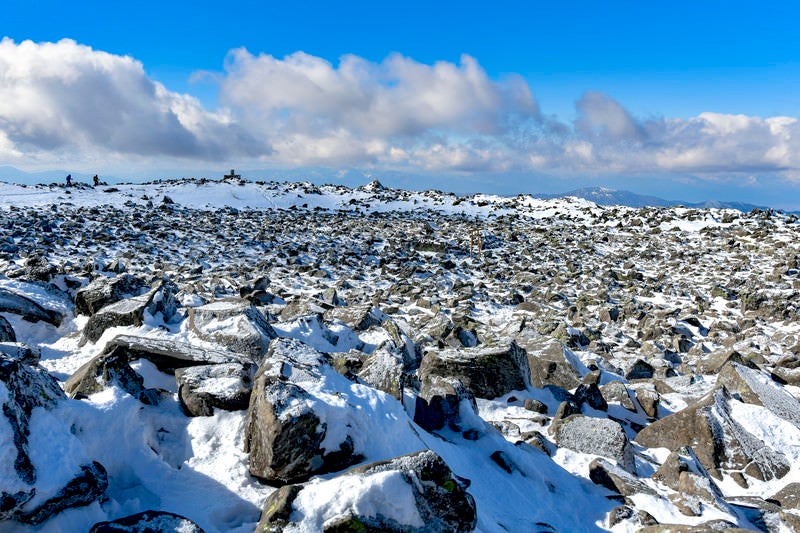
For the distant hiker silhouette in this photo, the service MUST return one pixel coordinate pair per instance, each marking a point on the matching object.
(69, 180)
(96, 180)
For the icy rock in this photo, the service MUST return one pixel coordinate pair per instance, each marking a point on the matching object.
(225, 386)
(165, 301)
(415, 493)
(6, 331)
(683, 472)
(235, 324)
(17, 304)
(103, 291)
(598, 436)
(148, 522)
(485, 372)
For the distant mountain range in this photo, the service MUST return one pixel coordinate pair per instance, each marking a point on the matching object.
(599, 195)
(605, 196)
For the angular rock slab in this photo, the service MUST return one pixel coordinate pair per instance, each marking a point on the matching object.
(17, 304)
(718, 440)
(418, 493)
(103, 291)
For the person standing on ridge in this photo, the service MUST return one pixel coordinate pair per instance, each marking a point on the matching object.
(69, 180)
(96, 180)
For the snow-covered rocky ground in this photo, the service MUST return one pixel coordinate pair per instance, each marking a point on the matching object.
(219, 353)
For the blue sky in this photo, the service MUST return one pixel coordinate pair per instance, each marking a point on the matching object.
(687, 100)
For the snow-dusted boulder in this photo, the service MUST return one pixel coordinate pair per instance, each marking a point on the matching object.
(226, 386)
(440, 402)
(551, 363)
(148, 522)
(127, 312)
(35, 484)
(109, 368)
(357, 317)
(168, 354)
(103, 291)
(21, 352)
(305, 418)
(414, 493)
(598, 436)
(235, 324)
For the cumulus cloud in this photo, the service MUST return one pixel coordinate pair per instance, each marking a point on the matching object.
(65, 97)
(61, 100)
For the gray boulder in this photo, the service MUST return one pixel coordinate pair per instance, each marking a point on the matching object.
(226, 386)
(127, 312)
(598, 436)
(717, 438)
(21, 352)
(485, 372)
(551, 363)
(357, 317)
(440, 401)
(109, 368)
(422, 481)
(169, 355)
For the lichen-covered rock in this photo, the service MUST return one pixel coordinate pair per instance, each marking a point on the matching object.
(226, 386)
(421, 495)
(148, 522)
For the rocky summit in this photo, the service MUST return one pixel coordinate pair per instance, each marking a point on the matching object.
(204, 355)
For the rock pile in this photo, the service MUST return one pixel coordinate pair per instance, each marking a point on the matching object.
(654, 353)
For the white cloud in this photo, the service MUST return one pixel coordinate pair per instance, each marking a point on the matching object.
(67, 102)
(66, 98)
